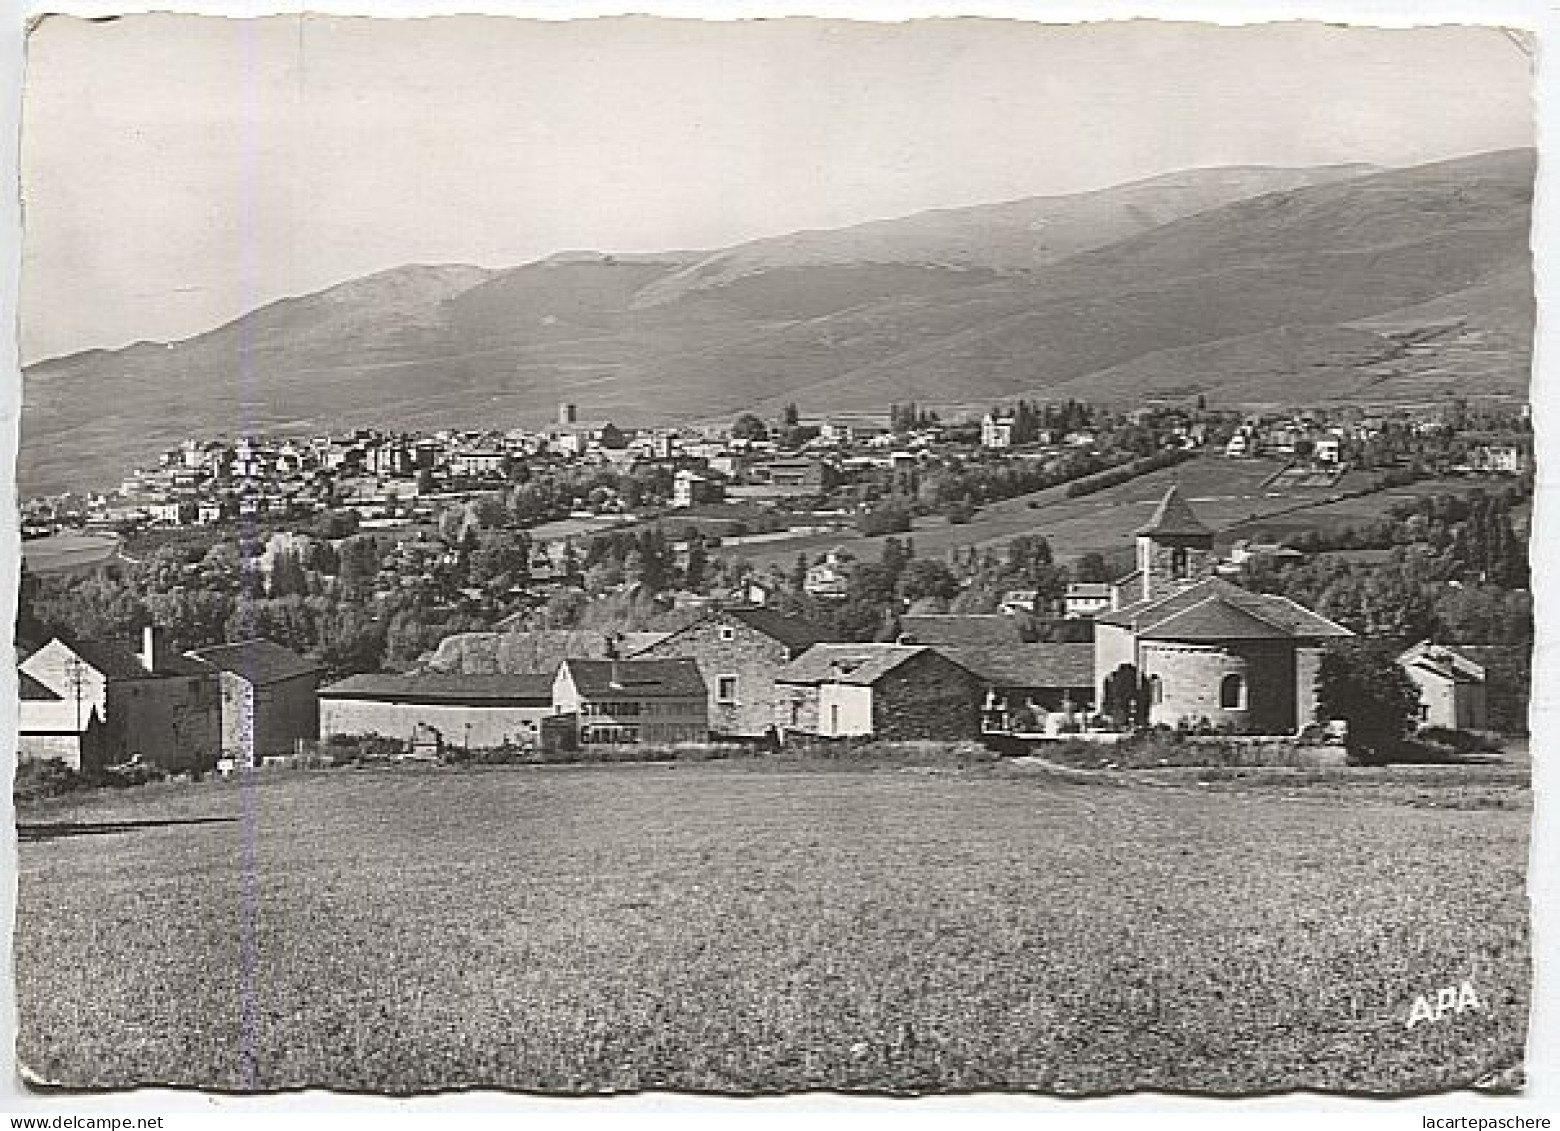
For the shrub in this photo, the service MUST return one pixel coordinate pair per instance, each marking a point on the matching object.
(887, 518)
(128, 774)
(49, 778)
(1462, 741)
(1361, 683)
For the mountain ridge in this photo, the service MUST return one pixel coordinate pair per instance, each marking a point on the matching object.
(638, 337)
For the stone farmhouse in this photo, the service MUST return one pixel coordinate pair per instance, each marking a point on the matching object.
(267, 702)
(1019, 674)
(1206, 649)
(739, 652)
(886, 691)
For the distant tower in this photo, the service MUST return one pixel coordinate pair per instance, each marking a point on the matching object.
(1174, 549)
(568, 413)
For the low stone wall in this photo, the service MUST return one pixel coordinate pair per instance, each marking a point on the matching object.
(1270, 751)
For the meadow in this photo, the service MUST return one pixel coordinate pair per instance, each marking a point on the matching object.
(752, 927)
(1360, 512)
(1223, 491)
(64, 553)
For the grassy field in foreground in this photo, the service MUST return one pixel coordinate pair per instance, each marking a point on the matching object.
(705, 928)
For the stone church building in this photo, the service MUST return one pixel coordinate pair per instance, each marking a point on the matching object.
(1200, 648)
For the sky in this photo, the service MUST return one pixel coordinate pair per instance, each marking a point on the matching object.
(179, 170)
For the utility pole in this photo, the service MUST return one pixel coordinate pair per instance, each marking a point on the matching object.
(76, 676)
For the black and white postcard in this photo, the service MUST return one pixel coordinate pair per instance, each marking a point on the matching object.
(774, 556)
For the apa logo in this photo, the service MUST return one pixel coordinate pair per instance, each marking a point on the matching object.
(1448, 999)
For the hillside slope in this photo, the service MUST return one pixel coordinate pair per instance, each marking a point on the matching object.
(1019, 235)
(1366, 285)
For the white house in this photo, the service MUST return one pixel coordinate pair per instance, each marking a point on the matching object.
(1452, 690)
(996, 431)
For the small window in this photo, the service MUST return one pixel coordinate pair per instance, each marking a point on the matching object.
(1156, 689)
(1232, 693)
(1178, 562)
(727, 632)
(726, 689)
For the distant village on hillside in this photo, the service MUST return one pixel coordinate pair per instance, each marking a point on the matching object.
(516, 541)
(393, 479)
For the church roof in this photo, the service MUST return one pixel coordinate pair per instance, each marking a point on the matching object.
(1174, 516)
(1284, 618)
(1213, 618)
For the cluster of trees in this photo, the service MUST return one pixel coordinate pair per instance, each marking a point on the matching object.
(1125, 474)
(541, 495)
(347, 600)
(1476, 531)
(974, 483)
(974, 581)
(891, 516)
(638, 559)
(792, 433)
(910, 417)
(1361, 683)
(1434, 450)
(1457, 574)
(1415, 594)
(1031, 418)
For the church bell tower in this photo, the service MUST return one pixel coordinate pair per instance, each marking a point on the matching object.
(1174, 549)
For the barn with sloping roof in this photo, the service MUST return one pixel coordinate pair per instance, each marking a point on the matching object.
(268, 698)
(898, 692)
(473, 712)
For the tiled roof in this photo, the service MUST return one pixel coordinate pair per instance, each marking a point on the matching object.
(1174, 516)
(862, 664)
(117, 661)
(1444, 662)
(1213, 618)
(112, 659)
(261, 662)
(1286, 618)
(957, 630)
(1045, 665)
(794, 632)
(438, 687)
(630, 642)
(32, 690)
(659, 679)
